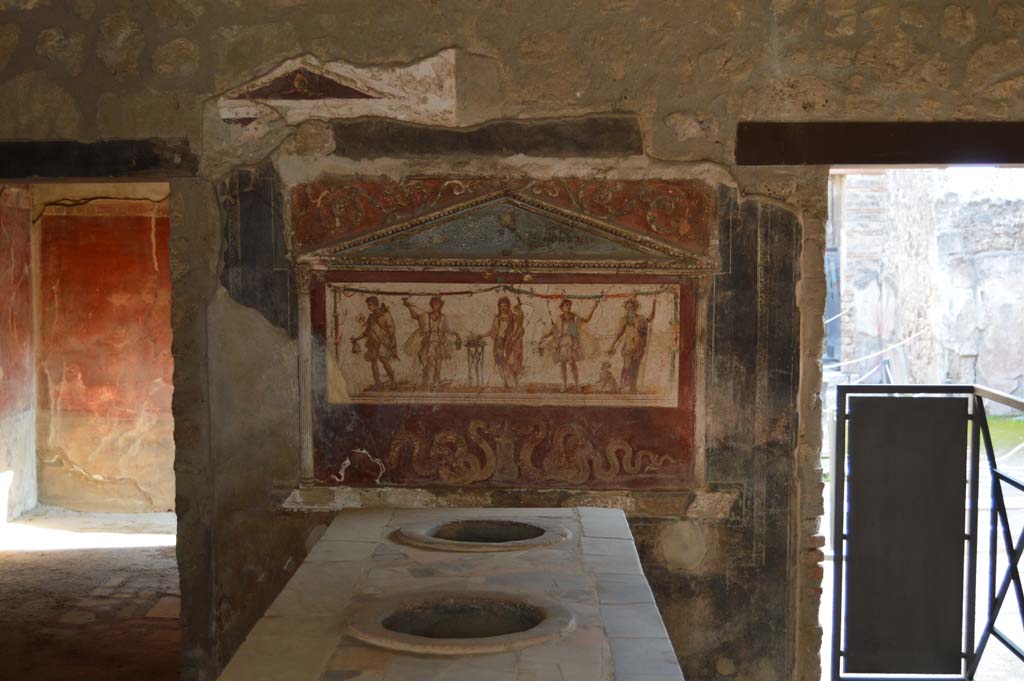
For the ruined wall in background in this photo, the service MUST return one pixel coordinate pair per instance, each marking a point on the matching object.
(934, 256)
(889, 283)
(981, 258)
(18, 492)
(912, 279)
(104, 361)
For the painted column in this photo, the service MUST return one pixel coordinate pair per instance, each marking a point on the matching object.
(302, 278)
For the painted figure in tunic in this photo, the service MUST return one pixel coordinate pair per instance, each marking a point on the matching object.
(379, 334)
(566, 340)
(634, 334)
(507, 333)
(432, 342)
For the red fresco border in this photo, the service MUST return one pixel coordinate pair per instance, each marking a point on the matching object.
(677, 211)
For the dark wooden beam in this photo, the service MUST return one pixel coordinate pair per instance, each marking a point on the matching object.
(151, 158)
(592, 136)
(861, 144)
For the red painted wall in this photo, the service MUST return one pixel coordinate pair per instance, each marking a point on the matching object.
(105, 365)
(106, 294)
(16, 390)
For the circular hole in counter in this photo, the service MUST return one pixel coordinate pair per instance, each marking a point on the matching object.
(459, 622)
(487, 531)
(464, 617)
(483, 534)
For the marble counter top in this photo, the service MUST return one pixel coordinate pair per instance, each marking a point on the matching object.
(596, 574)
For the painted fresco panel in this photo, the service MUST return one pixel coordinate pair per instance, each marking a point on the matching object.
(460, 433)
(613, 345)
(504, 332)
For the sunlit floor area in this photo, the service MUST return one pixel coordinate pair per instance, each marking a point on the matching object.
(91, 597)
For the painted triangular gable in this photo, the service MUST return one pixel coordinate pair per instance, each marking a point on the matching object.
(303, 83)
(304, 87)
(508, 231)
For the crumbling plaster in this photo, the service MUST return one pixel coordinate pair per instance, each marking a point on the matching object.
(690, 70)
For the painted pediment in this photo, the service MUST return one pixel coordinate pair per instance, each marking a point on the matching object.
(302, 83)
(305, 88)
(507, 231)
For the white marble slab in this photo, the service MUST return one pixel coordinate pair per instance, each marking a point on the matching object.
(619, 634)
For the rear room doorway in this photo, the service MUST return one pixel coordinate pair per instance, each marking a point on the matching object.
(88, 576)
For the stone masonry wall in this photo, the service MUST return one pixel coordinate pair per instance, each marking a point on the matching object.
(888, 285)
(691, 70)
(910, 275)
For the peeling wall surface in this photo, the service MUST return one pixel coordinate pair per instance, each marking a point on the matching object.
(18, 489)
(104, 360)
(734, 556)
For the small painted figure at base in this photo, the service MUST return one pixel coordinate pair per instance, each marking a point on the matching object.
(634, 335)
(381, 347)
(606, 381)
(432, 342)
(566, 341)
(507, 332)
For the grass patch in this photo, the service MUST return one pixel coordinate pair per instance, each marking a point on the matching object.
(1007, 432)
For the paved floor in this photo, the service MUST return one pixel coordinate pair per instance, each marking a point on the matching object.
(90, 597)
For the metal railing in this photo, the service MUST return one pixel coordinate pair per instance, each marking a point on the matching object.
(999, 529)
(999, 523)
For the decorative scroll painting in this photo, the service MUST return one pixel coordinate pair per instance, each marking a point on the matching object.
(613, 345)
(677, 211)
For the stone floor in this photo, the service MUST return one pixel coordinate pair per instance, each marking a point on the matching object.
(90, 597)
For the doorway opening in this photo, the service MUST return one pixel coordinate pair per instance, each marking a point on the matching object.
(925, 269)
(88, 576)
